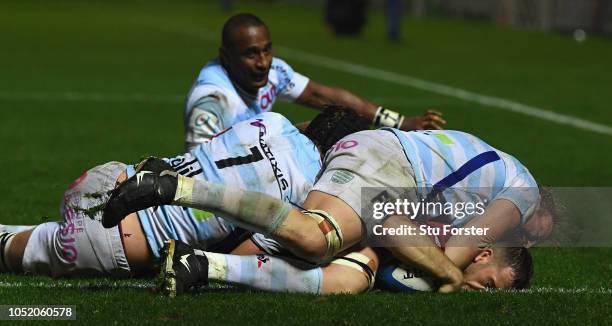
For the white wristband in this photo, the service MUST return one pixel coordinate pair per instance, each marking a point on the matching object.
(387, 118)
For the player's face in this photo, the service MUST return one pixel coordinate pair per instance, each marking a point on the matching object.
(484, 273)
(248, 61)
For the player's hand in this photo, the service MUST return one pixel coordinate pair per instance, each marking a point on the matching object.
(430, 120)
(452, 283)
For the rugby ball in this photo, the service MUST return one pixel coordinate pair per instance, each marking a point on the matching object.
(396, 277)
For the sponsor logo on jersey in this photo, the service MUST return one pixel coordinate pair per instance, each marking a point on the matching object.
(344, 144)
(341, 177)
(73, 225)
(283, 184)
(206, 119)
(267, 99)
(262, 128)
(187, 166)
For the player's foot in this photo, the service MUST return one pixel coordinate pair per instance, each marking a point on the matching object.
(181, 269)
(143, 190)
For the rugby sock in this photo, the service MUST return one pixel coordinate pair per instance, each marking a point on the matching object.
(258, 212)
(5, 243)
(265, 272)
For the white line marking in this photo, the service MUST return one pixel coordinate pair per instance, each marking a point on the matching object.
(563, 290)
(404, 80)
(110, 284)
(92, 97)
(78, 285)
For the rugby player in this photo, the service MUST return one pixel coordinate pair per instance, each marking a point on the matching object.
(353, 271)
(246, 80)
(265, 154)
(429, 161)
(80, 247)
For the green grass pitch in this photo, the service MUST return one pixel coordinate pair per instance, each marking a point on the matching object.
(84, 83)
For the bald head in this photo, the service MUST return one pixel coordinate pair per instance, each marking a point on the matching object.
(234, 24)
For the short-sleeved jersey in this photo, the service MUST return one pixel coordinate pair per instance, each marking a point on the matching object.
(461, 162)
(265, 154)
(202, 122)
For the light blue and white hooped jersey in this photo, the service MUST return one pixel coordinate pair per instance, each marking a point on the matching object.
(265, 154)
(457, 164)
(283, 83)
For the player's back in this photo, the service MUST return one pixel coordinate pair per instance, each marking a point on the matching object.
(469, 167)
(265, 154)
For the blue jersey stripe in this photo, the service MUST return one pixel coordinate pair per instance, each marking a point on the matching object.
(462, 172)
(466, 169)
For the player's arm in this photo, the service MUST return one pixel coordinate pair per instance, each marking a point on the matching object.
(204, 120)
(320, 96)
(500, 217)
(419, 251)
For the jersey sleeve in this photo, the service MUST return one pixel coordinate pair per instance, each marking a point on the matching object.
(204, 120)
(291, 84)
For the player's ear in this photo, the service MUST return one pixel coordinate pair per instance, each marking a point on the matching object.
(484, 256)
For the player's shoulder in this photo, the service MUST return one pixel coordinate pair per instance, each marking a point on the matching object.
(212, 64)
(213, 80)
(272, 119)
(213, 73)
(273, 124)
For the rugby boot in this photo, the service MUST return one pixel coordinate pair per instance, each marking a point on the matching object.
(181, 269)
(143, 190)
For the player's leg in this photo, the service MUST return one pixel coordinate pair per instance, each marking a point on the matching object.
(330, 225)
(351, 273)
(139, 257)
(315, 236)
(137, 252)
(79, 245)
(185, 267)
(12, 246)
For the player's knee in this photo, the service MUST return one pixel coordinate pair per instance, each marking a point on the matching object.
(312, 247)
(355, 273)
